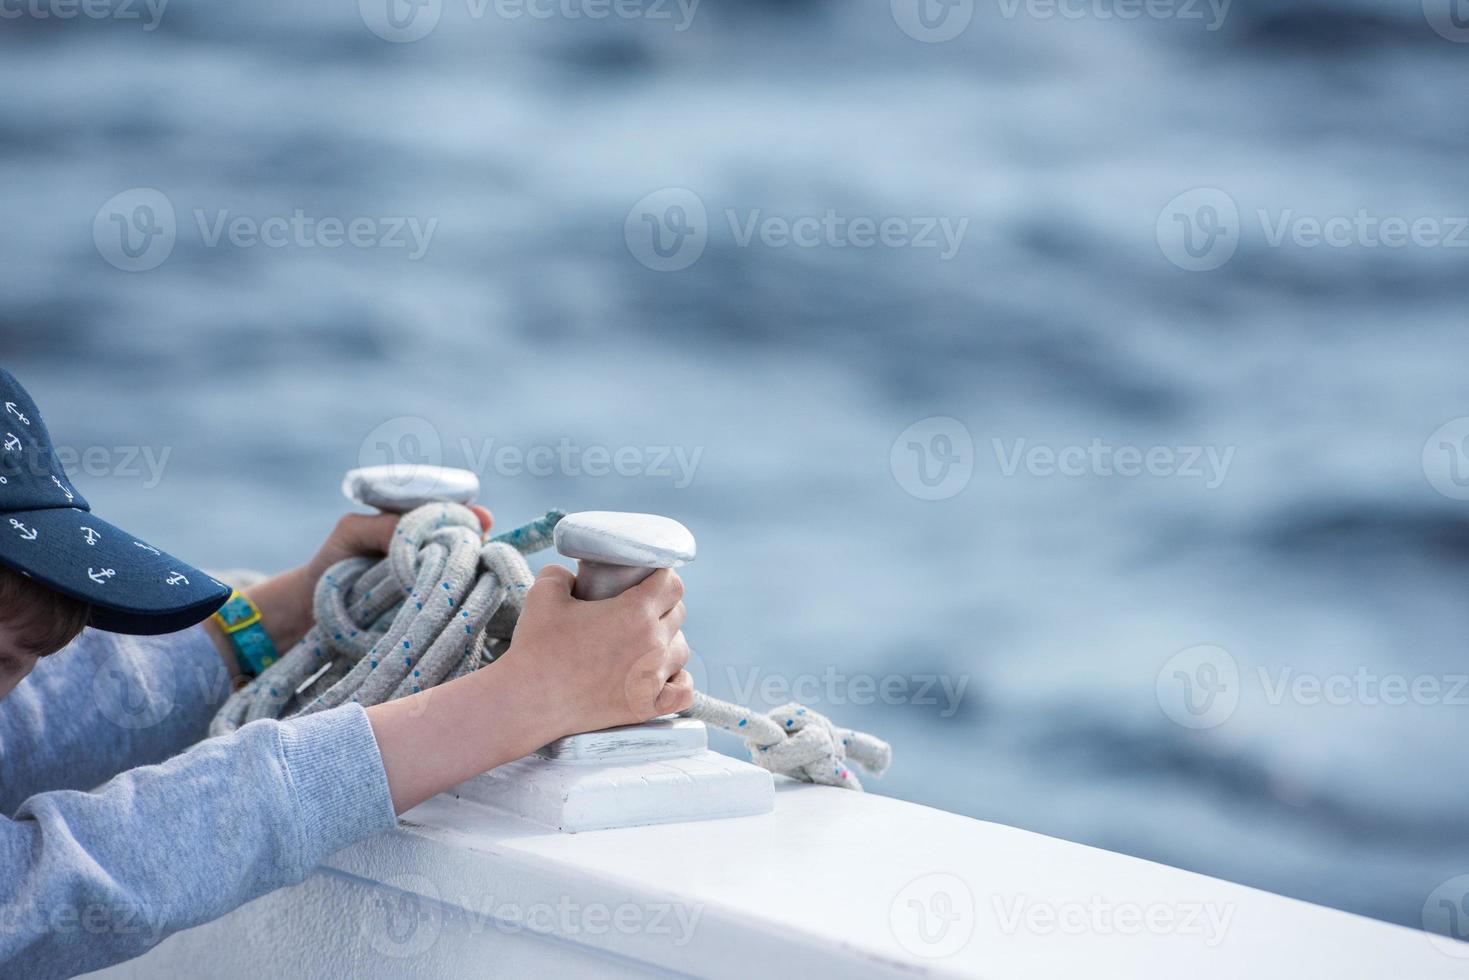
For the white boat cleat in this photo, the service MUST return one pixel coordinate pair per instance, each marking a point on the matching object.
(661, 771)
(615, 551)
(400, 487)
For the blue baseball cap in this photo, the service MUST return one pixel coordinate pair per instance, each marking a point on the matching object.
(48, 533)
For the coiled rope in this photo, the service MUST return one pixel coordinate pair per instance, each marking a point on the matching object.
(443, 603)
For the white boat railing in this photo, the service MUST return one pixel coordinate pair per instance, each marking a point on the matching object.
(830, 883)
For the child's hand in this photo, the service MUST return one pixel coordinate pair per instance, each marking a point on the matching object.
(599, 664)
(286, 600)
(572, 666)
(363, 534)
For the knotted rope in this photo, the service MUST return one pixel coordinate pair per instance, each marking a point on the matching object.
(444, 603)
(796, 741)
(441, 604)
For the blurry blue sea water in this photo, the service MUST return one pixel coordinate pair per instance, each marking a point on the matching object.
(788, 372)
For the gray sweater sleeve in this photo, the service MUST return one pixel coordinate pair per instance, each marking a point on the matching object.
(92, 878)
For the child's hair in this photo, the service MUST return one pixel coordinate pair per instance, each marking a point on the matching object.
(45, 619)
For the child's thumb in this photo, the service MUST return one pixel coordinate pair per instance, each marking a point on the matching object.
(553, 584)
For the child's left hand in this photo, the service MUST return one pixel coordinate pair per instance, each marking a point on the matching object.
(286, 600)
(363, 534)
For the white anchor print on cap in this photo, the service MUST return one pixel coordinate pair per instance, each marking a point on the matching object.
(49, 533)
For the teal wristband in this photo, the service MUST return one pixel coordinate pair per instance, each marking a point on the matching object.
(239, 618)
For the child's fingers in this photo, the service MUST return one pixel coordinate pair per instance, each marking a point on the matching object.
(677, 694)
(365, 534)
(678, 656)
(486, 519)
(659, 592)
(673, 619)
(553, 584)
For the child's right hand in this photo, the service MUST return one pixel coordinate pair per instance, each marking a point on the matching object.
(572, 666)
(617, 661)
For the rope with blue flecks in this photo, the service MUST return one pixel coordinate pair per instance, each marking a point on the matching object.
(795, 741)
(444, 603)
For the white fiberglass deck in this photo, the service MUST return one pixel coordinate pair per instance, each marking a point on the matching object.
(831, 883)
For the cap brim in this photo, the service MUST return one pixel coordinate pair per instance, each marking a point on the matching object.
(131, 586)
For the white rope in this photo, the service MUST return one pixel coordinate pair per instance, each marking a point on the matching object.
(443, 603)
